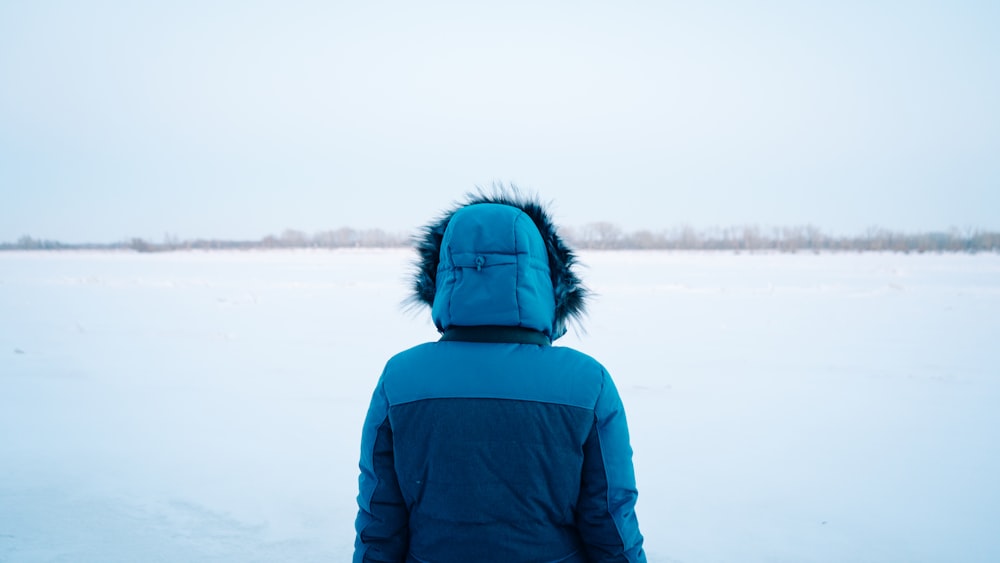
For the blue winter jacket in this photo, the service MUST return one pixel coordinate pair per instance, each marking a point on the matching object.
(491, 445)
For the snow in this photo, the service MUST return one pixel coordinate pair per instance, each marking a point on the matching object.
(783, 407)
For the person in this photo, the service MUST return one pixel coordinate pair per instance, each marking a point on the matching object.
(490, 444)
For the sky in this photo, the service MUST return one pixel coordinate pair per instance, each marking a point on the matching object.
(238, 119)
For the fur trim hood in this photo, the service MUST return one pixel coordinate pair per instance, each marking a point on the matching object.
(487, 235)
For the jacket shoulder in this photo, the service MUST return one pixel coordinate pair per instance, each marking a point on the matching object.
(552, 374)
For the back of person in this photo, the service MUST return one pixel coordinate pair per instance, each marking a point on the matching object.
(491, 444)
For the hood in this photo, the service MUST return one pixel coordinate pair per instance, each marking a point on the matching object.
(497, 260)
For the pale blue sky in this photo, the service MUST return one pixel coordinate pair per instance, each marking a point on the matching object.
(236, 119)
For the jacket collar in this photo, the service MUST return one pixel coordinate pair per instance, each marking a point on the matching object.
(495, 334)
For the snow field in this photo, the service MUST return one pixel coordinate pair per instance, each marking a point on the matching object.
(207, 406)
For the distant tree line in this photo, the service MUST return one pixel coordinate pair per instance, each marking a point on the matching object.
(599, 235)
(603, 235)
(289, 238)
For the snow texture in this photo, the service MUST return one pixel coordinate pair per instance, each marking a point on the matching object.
(208, 406)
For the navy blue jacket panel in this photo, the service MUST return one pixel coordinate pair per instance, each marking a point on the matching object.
(499, 452)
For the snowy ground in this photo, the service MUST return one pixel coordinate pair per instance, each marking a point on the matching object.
(190, 407)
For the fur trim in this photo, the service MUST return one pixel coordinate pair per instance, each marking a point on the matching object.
(570, 293)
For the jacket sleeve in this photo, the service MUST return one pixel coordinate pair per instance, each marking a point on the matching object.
(605, 511)
(383, 522)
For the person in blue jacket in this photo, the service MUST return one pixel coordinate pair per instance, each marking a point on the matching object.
(490, 444)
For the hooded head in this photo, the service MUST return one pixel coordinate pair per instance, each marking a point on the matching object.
(497, 260)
